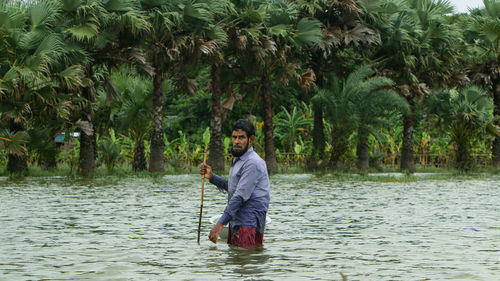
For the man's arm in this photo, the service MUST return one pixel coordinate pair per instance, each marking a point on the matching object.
(220, 182)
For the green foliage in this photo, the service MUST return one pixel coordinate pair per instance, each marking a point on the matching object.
(360, 102)
(466, 114)
(206, 138)
(13, 142)
(109, 150)
(289, 125)
(308, 32)
(132, 114)
(60, 61)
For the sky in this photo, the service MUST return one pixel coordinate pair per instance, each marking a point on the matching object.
(462, 6)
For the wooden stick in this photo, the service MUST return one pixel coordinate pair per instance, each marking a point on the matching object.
(202, 191)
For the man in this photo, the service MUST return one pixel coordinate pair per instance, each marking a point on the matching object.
(248, 191)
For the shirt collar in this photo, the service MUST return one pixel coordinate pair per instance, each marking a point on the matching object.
(247, 154)
(244, 156)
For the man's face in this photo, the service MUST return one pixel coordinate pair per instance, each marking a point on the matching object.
(241, 142)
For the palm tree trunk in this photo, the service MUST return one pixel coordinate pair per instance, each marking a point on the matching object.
(87, 142)
(463, 161)
(335, 155)
(16, 163)
(139, 163)
(496, 112)
(407, 162)
(340, 145)
(157, 145)
(87, 158)
(272, 164)
(318, 151)
(216, 155)
(363, 150)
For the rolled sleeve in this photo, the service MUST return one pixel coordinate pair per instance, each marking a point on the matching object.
(225, 218)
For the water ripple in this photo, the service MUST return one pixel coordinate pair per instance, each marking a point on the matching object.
(145, 229)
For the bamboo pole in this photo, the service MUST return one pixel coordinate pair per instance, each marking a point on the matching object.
(202, 191)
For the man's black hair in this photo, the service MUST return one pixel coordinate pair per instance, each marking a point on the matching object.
(245, 125)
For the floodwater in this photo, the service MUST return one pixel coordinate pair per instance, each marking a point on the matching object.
(146, 229)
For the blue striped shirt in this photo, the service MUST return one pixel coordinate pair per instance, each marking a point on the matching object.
(248, 191)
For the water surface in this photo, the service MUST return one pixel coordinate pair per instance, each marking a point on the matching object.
(146, 229)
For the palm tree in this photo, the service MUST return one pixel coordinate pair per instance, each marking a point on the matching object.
(107, 31)
(418, 52)
(219, 54)
(165, 18)
(484, 58)
(374, 104)
(131, 115)
(357, 104)
(270, 32)
(342, 28)
(338, 112)
(181, 34)
(466, 114)
(255, 47)
(12, 84)
(36, 68)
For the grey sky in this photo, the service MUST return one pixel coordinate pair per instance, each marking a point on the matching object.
(462, 6)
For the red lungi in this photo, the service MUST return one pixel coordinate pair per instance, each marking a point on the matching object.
(245, 237)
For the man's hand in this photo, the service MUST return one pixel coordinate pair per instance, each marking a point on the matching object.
(214, 233)
(206, 171)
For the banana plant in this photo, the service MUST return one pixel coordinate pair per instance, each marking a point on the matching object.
(110, 150)
(206, 141)
(226, 143)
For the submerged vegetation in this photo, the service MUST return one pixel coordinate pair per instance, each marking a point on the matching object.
(111, 87)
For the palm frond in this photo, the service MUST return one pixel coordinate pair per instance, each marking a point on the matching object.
(85, 32)
(209, 48)
(280, 30)
(15, 142)
(70, 5)
(253, 33)
(218, 33)
(361, 34)
(72, 76)
(119, 5)
(491, 9)
(136, 20)
(3, 89)
(198, 10)
(12, 17)
(44, 13)
(52, 45)
(308, 32)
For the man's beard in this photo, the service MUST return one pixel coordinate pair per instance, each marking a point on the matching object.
(239, 153)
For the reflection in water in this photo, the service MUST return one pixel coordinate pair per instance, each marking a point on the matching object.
(247, 262)
(143, 229)
(242, 262)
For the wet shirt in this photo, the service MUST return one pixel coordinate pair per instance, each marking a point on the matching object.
(248, 190)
